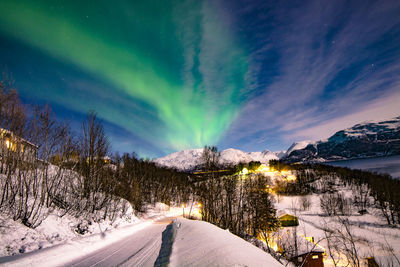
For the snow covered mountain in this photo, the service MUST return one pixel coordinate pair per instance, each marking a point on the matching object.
(234, 156)
(368, 139)
(265, 156)
(183, 160)
(280, 154)
(191, 158)
(298, 146)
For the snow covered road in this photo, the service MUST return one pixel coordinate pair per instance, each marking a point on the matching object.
(139, 249)
(164, 241)
(135, 245)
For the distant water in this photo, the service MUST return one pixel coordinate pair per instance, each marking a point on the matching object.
(389, 165)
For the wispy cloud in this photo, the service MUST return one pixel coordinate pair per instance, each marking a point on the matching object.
(336, 63)
(383, 108)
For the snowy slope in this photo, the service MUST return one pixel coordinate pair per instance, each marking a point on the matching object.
(199, 243)
(191, 158)
(264, 156)
(298, 146)
(279, 154)
(184, 160)
(234, 156)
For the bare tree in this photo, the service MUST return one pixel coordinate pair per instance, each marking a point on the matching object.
(210, 158)
(335, 204)
(342, 243)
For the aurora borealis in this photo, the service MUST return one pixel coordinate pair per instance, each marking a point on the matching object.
(170, 75)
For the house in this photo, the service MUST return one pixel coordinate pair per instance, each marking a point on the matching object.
(313, 258)
(299, 249)
(13, 147)
(286, 219)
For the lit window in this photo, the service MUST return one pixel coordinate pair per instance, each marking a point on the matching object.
(315, 257)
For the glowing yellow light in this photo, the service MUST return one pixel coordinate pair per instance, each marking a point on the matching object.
(199, 205)
(245, 171)
(309, 238)
(274, 246)
(291, 177)
(8, 143)
(271, 242)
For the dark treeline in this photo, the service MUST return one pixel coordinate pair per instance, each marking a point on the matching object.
(141, 181)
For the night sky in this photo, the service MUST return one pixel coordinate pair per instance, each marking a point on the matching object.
(171, 75)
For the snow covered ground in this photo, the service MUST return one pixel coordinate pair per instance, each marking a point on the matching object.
(374, 237)
(199, 243)
(17, 240)
(194, 243)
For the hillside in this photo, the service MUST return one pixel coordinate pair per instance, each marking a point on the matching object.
(368, 139)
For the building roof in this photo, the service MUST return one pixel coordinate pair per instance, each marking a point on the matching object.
(305, 247)
(20, 138)
(281, 213)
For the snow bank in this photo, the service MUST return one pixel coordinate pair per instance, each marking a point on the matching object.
(16, 238)
(70, 250)
(199, 243)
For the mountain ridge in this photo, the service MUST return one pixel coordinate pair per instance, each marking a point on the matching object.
(366, 139)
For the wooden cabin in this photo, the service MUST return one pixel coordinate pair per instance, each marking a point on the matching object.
(287, 220)
(314, 258)
(13, 147)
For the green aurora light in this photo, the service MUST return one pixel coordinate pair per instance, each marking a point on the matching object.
(182, 60)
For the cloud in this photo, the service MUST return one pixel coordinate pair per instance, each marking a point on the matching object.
(333, 63)
(383, 108)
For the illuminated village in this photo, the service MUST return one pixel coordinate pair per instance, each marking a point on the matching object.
(301, 237)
